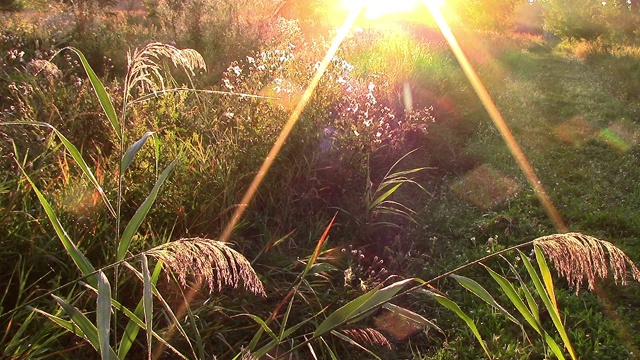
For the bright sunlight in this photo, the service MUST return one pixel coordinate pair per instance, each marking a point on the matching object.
(376, 9)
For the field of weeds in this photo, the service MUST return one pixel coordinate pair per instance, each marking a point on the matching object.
(242, 180)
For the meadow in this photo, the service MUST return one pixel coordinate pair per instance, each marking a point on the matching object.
(392, 222)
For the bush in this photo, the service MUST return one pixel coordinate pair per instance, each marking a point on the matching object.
(612, 20)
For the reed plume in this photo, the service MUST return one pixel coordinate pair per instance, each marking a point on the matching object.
(578, 257)
(212, 260)
(369, 336)
(144, 65)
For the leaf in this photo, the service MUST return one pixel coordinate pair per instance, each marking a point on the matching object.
(85, 325)
(382, 197)
(141, 213)
(262, 324)
(168, 311)
(147, 300)
(135, 324)
(359, 306)
(75, 154)
(553, 312)
(76, 255)
(449, 304)
(517, 301)
(103, 314)
(412, 316)
(100, 91)
(349, 340)
(276, 341)
(483, 294)
(65, 324)
(546, 276)
(133, 150)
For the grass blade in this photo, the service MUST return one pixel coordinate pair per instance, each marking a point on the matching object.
(76, 255)
(263, 325)
(546, 276)
(449, 304)
(168, 311)
(509, 290)
(130, 154)
(412, 316)
(87, 328)
(360, 306)
(136, 322)
(383, 197)
(73, 151)
(65, 324)
(483, 294)
(352, 342)
(147, 300)
(100, 91)
(138, 217)
(133, 326)
(75, 154)
(103, 314)
(553, 312)
(527, 313)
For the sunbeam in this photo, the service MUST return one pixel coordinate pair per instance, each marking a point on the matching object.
(497, 118)
(342, 33)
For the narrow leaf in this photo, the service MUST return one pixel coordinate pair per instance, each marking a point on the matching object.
(359, 306)
(263, 325)
(168, 311)
(516, 300)
(103, 314)
(352, 342)
(383, 197)
(136, 321)
(483, 294)
(412, 316)
(449, 304)
(147, 300)
(133, 150)
(141, 213)
(65, 324)
(75, 154)
(133, 327)
(100, 91)
(553, 312)
(86, 326)
(546, 276)
(76, 255)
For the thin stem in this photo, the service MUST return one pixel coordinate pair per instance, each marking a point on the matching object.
(419, 286)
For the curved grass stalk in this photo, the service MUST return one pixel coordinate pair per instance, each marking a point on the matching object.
(602, 253)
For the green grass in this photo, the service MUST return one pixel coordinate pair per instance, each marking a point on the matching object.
(563, 109)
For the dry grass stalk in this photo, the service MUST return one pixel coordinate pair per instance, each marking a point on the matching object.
(213, 260)
(577, 256)
(144, 66)
(369, 336)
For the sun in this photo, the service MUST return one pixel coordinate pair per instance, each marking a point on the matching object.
(375, 9)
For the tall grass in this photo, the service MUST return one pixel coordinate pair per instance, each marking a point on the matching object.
(348, 152)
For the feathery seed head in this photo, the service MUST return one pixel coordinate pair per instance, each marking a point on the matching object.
(578, 257)
(214, 260)
(145, 70)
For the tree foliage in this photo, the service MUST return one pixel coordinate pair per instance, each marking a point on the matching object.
(611, 20)
(487, 15)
